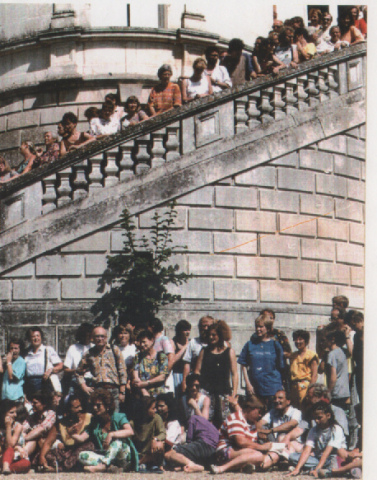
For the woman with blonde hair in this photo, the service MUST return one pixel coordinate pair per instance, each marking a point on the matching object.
(31, 160)
(199, 84)
(6, 173)
(262, 361)
(217, 364)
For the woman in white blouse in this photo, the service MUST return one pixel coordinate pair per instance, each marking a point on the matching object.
(41, 362)
(199, 84)
(106, 123)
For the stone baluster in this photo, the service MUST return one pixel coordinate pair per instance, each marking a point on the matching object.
(301, 93)
(240, 115)
(80, 182)
(265, 105)
(253, 111)
(322, 85)
(312, 89)
(172, 143)
(96, 175)
(158, 150)
(50, 195)
(111, 169)
(126, 164)
(142, 156)
(289, 97)
(277, 102)
(65, 189)
(332, 76)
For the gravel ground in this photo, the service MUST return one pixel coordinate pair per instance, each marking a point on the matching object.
(166, 475)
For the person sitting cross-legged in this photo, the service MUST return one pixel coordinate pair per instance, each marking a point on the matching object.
(238, 446)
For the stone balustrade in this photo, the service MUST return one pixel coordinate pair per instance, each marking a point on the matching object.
(163, 139)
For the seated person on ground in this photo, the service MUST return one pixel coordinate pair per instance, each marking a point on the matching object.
(194, 402)
(166, 95)
(200, 450)
(105, 124)
(73, 139)
(238, 444)
(280, 420)
(166, 408)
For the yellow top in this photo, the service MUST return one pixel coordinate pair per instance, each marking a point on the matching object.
(300, 366)
(66, 438)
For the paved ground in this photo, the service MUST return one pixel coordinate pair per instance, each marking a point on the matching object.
(166, 476)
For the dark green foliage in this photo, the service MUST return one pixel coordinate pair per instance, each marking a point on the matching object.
(139, 276)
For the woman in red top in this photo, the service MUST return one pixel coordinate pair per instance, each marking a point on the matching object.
(166, 94)
(360, 23)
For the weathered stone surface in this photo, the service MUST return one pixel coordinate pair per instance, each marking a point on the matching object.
(279, 201)
(260, 177)
(357, 233)
(236, 197)
(5, 289)
(256, 222)
(317, 249)
(316, 204)
(298, 270)
(74, 288)
(211, 265)
(315, 160)
(257, 267)
(279, 291)
(24, 119)
(3, 124)
(356, 148)
(35, 289)
(202, 197)
(236, 290)
(10, 139)
(318, 294)
(331, 273)
(194, 289)
(348, 210)
(357, 276)
(331, 185)
(356, 190)
(332, 229)
(54, 115)
(146, 219)
(95, 265)
(355, 296)
(348, 167)
(289, 160)
(232, 243)
(27, 270)
(297, 225)
(351, 254)
(99, 242)
(278, 246)
(296, 180)
(211, 219)
(60, 266)
(337, 144)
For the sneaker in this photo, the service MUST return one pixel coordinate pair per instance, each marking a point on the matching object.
(213, 469)
(355, 472)
(322, 473)
(291, 468)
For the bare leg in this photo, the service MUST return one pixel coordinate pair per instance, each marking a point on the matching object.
(270, 459)
(188, 465)
(246, 456)
(356, 462)
(96, 468)
(30, 447)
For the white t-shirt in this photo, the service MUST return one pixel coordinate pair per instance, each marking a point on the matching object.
(193, 349)
(274, 419)
(128, 353)
(99, 126)
(197, 88)
(219, 74)
(35, 362)
(173, 433)
(74, 355)
(319, 439)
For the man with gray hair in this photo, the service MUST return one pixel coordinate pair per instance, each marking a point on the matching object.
(166, 95)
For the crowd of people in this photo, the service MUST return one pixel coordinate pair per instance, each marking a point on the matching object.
(288, 44)
(137, 400)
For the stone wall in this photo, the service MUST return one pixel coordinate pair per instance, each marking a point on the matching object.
(288, 234)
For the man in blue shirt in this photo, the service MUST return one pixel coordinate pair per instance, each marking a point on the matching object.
(14, 371)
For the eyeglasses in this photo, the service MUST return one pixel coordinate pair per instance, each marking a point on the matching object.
(97, 405)
(99, 336)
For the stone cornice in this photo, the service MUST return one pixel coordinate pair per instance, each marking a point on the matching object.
(189, 110)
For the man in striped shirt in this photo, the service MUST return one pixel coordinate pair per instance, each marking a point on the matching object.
(238, 445)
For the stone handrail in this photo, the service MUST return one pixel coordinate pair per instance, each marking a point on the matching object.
(164, 138)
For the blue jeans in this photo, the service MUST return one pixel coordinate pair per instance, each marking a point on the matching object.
(311, 462)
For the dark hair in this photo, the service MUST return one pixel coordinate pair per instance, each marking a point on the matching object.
(340, 298)
(22, 413)
(298, 19)
(5, 162)
(252, 402)
(324, 407)
(283, 33)
(69, 117)
(82, 331)
(120, 329)
(211, 49)
(31, 330)
(145, 334)
(5, 406)
(287, 394)
(236, 45)
(193, 377)
(72, 398)
(342, 312)
(170, 402)
(108, 105)
(91, 112)
(303, 32)
(358, 317)
(41, 397)
(338, 336)
(267, 310)
(303, 334)
(133, 98)
(223, 331)
(104, 396)
(113, 97)
(17, 341)
(206, 317)
(182, 326)
(156, 325)
(341, 17)
(164, 68)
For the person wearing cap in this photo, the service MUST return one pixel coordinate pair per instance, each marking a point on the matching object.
(166, 94)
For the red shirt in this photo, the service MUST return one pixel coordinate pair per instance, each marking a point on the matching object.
(162, 99)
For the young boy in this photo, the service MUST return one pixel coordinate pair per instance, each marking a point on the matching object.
(73, 138)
